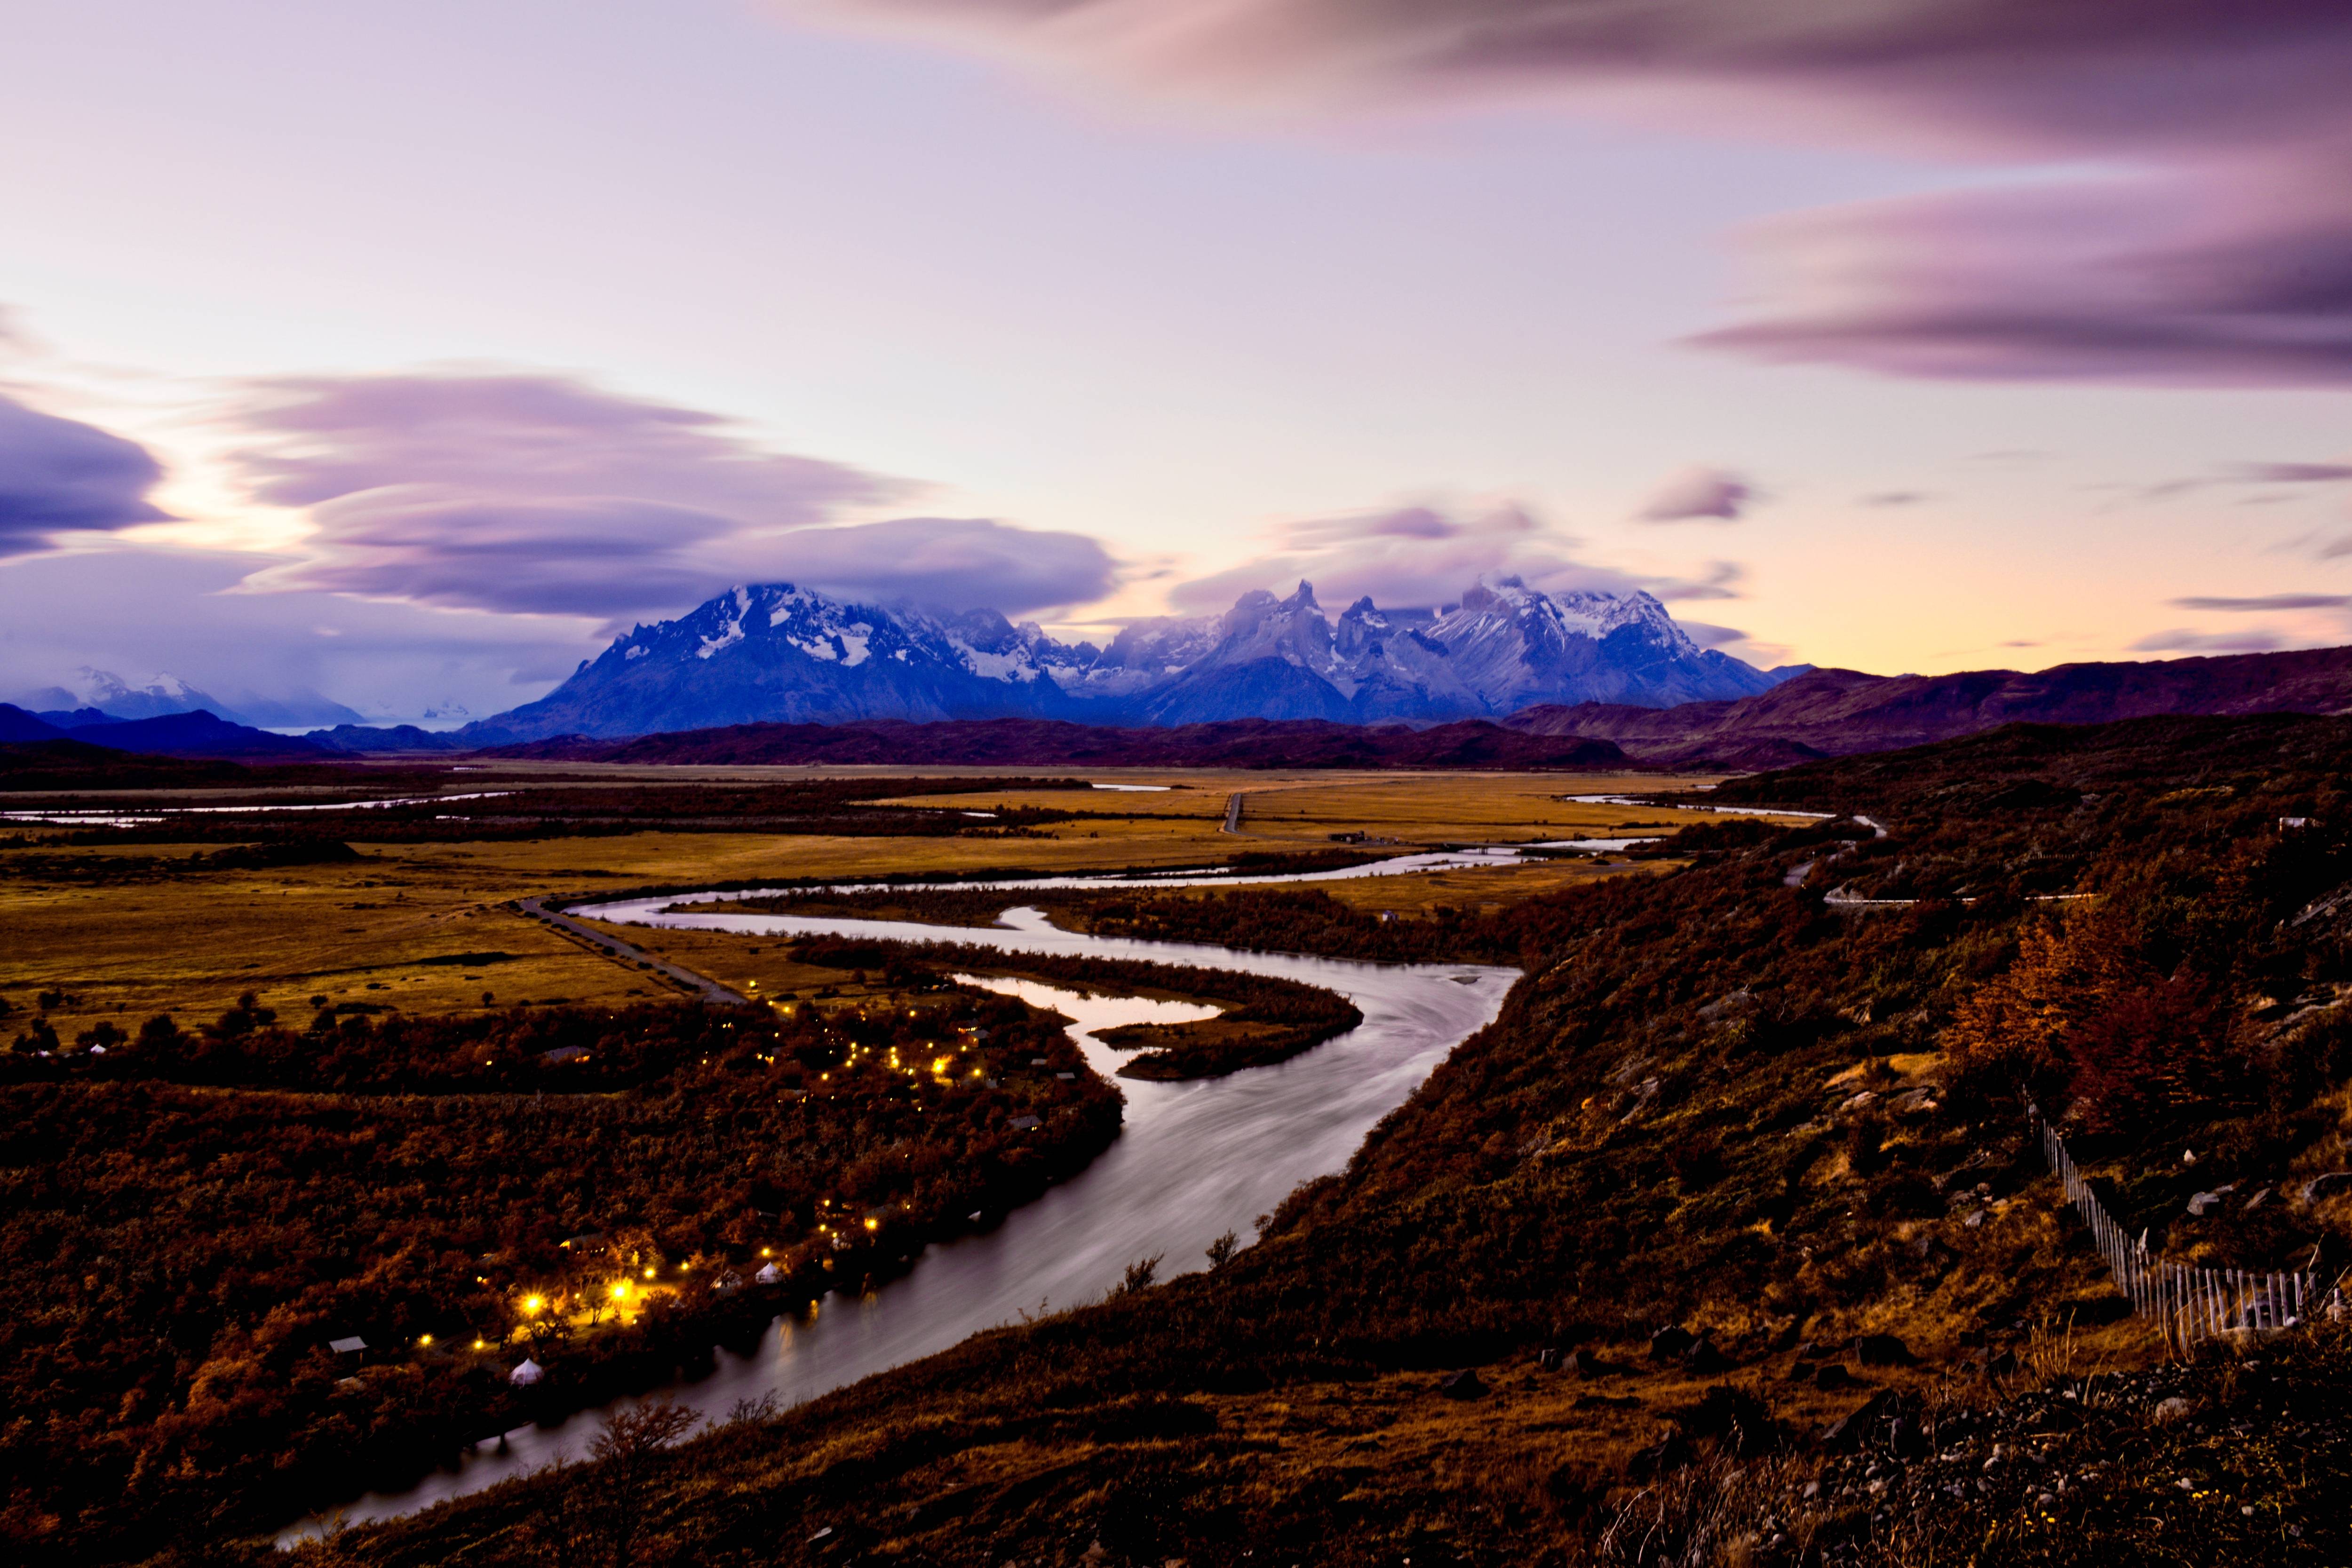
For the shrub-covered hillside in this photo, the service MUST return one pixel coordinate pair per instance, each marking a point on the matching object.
(1770, 1097)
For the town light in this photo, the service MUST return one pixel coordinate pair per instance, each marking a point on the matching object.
(532, 1304)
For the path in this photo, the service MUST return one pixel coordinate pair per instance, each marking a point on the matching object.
(709, 989)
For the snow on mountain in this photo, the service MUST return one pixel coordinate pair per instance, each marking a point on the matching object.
(782, 653)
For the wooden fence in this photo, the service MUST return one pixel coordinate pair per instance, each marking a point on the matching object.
(2187, 1304)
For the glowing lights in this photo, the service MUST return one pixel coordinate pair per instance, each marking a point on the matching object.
(423, 1341)
(649, 1273)
(620, 1289)
(533, 1305)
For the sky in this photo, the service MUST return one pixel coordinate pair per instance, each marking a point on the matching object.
(404, 355)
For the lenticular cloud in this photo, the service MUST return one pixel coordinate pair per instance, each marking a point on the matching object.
(2177, 214)
(61, 475)
(542, 495)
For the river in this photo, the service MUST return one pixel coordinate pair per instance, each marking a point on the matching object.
(1192, 1161)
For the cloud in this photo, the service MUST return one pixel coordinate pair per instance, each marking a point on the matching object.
(957, 563)
(2197, 277)
(1698, 493)
(2291, 473)
(58, 475)
(1722, 581)
(1895, 498)
(2266, 601)
(178, 609)
(2182, 641)
(542, 495)
(1404, 558)
(2204, 237)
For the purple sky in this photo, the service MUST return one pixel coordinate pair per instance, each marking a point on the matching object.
(400, 354)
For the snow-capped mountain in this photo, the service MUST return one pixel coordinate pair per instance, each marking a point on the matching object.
(776, 652)
(156, 695)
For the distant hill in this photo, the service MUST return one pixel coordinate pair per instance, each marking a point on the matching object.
(1839, 713)
(49, 765)
(361, 738)
(199, 734)
(1014, 743)
(775, 652)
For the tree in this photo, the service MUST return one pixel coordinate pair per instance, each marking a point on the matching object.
(628, 1449)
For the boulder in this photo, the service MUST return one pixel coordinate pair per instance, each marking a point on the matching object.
(1461, 1384)
(1881, 1350)
(1831, 1375)
(1705, 1359)
(1548, 1360)
(1672, 1343)
(1849, 1431)
(1587, 1365)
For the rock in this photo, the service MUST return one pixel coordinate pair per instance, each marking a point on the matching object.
(1587, 1365)
(1976, 1219)
(1849, 1430)
(2333, 1184)
(2256, 1201)
(1832, 1376)
(1548, 1360)
(1807, 1350)
(1705, 1360)
(2170, 1410)
(2204, 1203)
(1461, 1384)
(1905, 1438)
(1671, 1342)
(1881, 1350)
(1742, 1422)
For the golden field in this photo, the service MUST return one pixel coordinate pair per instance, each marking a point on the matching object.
(158, 939)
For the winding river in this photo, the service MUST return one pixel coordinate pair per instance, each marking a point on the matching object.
(1192, 1161)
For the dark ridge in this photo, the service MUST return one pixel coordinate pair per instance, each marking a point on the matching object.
(1014, 742)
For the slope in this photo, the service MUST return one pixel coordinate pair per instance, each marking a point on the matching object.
(1717, 1102)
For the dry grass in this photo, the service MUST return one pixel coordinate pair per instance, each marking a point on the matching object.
(190, 945)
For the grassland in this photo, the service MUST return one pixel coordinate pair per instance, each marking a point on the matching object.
(143, 935)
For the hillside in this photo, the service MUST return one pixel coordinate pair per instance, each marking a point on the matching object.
(1837, 712)
(1721, 1102)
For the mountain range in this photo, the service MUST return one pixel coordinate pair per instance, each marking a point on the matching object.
(775, 652)
(91, 696)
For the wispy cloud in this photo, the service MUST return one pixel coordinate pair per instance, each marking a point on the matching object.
(61, 475)
(2204, 235)
(544, 495)
(2266, 601)
(2182, 641)
(1698, 493)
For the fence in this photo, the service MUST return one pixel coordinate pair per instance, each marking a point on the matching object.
(2187, 1304)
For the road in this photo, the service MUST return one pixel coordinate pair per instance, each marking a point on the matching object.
(709, 989)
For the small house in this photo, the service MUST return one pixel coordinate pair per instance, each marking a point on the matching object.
(769, 1275)
(354, 1346)
(529, 1373)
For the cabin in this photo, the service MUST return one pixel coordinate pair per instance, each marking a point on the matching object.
(351, 1348)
